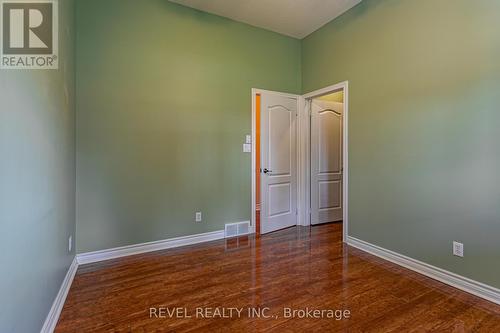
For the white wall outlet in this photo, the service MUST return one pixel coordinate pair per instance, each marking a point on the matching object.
(198, 217)
(458, 249)
(247, 148)
(70, 243)
(248, 139)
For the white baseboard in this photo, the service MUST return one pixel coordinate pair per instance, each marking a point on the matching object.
(479, 289)
(123, 251)
(57, 306)
(90, 257)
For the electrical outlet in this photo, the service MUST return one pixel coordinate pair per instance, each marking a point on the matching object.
(198, 217)
(70, 243)
(458, 249)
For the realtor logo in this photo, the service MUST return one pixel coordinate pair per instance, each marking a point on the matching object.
(29, 34)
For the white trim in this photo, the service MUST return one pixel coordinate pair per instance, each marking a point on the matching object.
(302, 166)
(345, 152)
(253, 207)
(460, 282)
(326, 90)
(58, 304)
(124, 251)
(256, 91)
(254, 159)
(306, 158)
(118, 252)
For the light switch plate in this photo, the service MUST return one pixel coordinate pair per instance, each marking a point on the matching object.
(248, 139)
(247, 148)
(458, 249)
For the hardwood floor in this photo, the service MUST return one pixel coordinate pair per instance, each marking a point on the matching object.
(294, 268)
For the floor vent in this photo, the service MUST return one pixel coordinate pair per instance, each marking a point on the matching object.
(237, 229)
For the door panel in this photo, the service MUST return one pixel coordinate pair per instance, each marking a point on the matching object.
(329, 142)
(326, 161)
(280, 140)
(279, 199)
(278, 156)
(329, 194)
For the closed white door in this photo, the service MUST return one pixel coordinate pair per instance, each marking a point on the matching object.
(326, 161)
(278, 162)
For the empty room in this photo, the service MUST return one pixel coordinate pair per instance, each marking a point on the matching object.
(249, 166)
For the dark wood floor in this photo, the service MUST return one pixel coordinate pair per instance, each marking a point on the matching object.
(294, 268)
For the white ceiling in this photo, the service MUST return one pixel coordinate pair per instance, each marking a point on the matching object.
(295, 18)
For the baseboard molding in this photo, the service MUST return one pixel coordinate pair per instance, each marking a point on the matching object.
(118, 252)
(123, 251)
(57, 306)
(476, 288)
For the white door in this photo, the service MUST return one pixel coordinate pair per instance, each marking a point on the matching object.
(278, 162)
(326, 161)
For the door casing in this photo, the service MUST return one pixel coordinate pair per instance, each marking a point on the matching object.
(304, 153)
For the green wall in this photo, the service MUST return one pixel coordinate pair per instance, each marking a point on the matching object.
(37, 184)
(424, 83)
(163, 106)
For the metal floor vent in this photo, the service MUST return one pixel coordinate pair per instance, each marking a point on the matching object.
(237, 229)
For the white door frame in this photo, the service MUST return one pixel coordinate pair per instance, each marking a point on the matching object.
(305, 158)
(256, 91)
(304, 153)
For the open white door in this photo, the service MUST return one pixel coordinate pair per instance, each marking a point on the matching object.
(326, 161)
(278, 162)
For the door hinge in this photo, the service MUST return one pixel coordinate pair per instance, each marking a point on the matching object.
(296, 211)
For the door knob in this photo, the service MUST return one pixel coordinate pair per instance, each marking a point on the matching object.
(267, 170)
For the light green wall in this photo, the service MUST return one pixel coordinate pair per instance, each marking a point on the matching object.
(37, 184)
(424, 83)
(163, 106)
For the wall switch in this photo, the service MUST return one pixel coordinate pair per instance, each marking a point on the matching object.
(198, 217)
(70, 243)
(248, 139)
(247, 148)
(458, 249)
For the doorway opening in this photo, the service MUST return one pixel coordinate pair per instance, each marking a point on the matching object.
(256, 172)
(326, 158)
(299, 158)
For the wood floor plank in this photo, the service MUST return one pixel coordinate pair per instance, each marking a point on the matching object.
(296, 268)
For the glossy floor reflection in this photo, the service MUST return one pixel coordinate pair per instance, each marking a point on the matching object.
(296, 268)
